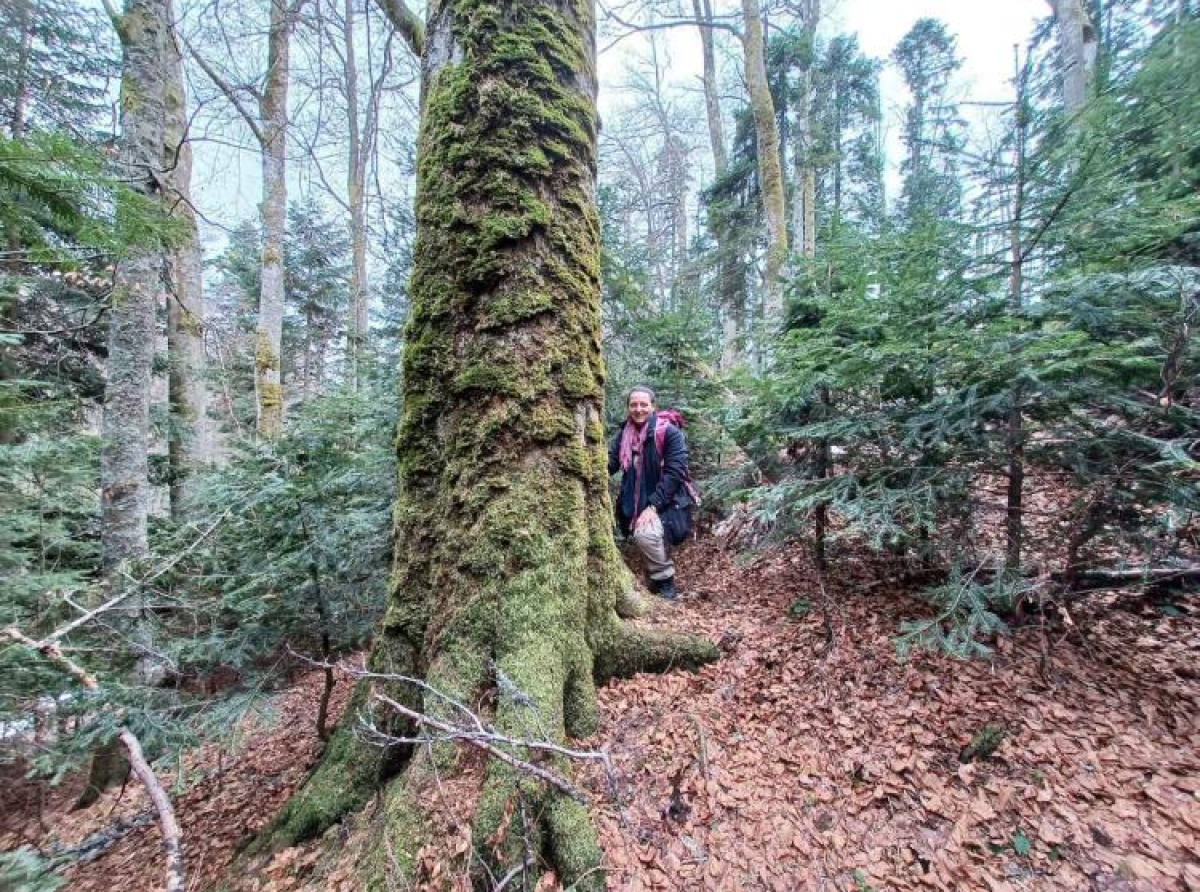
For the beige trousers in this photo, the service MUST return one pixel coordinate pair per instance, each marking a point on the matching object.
(651, 541)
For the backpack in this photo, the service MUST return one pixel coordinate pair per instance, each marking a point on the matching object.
(673, 417)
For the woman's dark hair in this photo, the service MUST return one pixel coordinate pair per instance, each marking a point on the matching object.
(641, 388)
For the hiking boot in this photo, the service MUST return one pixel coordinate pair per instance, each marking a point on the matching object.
(665, 589)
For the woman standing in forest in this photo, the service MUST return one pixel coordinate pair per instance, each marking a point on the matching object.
(655, 500)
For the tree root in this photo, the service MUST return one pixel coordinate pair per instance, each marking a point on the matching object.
(624, 651)
(345, 779)
(351, 768)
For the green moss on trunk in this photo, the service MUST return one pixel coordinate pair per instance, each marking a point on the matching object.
(506, 573)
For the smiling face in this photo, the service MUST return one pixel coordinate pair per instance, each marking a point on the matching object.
(641, 404)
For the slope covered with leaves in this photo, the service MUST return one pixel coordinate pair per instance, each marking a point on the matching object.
(790, 765)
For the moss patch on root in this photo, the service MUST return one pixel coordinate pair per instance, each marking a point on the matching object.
(343, 781)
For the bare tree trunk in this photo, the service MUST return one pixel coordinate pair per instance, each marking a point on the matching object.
(770, 170)
(712, 95)
(804, 208)
(270, 128)
(25, 15)
(1014, 426)
(357, 323)
(188, 436)
(1077, 45)
(145, 30)
(675, 158)
(732, 295)
(145, 33)
(273, 113)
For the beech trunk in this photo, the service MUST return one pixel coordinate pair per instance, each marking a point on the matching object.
(357, 323)
(188, 440)
(804, 209)
(273, 113)
(1077, 46)
(506, 575)
(144, 29)
(770, 166)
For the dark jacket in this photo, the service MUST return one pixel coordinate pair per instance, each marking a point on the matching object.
(662, 482)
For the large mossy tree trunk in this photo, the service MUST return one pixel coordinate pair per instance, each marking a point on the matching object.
(506, 577)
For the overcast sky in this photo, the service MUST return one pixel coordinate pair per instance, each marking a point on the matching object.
(986, 34)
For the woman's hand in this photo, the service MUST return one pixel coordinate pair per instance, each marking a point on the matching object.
(646, 518)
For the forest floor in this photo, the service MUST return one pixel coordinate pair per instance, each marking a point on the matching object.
(790, 764)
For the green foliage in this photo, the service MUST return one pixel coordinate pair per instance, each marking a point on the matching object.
(1021, 844)
(291, 550)
(24, 870)
(984, 744)
(49, 541)
(927, 58)
(316, 254)
(966, 612)
(58, 203)
(800, 608)
(43, 71)
(906, 350)
(301, 543)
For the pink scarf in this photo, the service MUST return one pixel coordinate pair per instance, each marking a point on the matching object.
(633, 442)
(633, 439)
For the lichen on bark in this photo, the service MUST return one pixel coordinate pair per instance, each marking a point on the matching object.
(506, 574)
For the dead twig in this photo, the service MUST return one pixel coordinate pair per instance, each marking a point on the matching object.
(517, 871)
(701, 744)
(60, 633)
(492, 744)
(168, 825)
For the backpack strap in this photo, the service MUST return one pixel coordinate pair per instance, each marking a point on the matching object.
(660, 439)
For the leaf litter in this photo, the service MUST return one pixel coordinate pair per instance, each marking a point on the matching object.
(781, 768)
(785, 766)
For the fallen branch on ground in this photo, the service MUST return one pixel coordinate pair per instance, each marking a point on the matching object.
(492, 743)
(172, 846)
(103, 840)
(474, 732)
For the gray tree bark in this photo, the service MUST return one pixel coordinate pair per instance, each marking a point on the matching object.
(770, 168)
(144, 29)
(273, 114)
(24, 15)
(1077, 45)
(189, 447)
(270, 128)
(145, 32)
(712, 97)
(356, 322)
(804, 206)
(732, 295)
